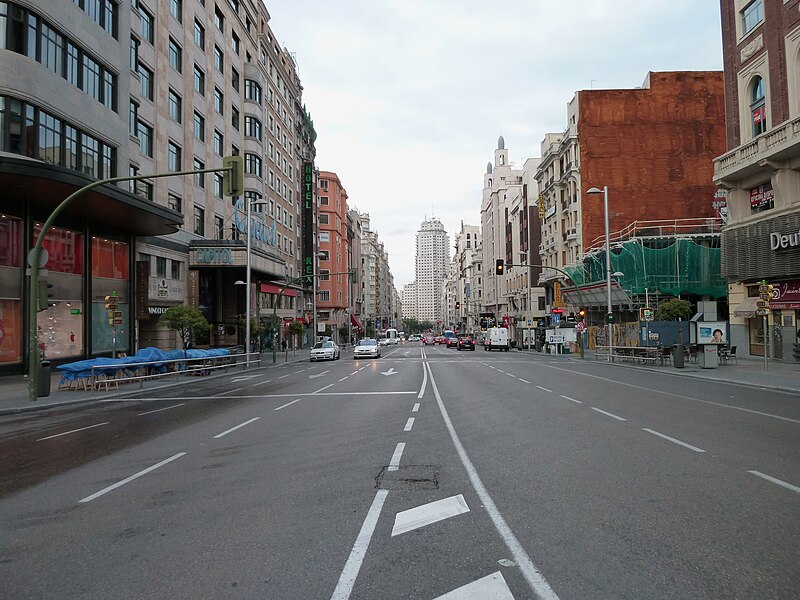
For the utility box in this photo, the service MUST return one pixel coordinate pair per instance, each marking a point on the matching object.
(708, 356)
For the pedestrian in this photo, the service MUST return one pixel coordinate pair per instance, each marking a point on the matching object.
(283, 344)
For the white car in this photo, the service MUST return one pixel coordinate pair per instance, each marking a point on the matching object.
(368, 348)
(414, 338)
(383, 342)
(325, 351)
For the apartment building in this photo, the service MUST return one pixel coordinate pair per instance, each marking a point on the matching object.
(333, 291)
(354, 266)
(652, 147)
(468, 272)
(432, 259)
(759, 172)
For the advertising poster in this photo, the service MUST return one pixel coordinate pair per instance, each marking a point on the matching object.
(712, 332)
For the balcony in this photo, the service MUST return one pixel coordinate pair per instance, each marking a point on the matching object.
(777, 144)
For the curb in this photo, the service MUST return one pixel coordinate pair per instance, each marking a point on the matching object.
(37, 407)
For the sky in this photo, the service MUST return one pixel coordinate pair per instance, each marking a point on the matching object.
(408, 97)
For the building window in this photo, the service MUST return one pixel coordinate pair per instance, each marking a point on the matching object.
(173, 156)
(146, 81)
(175, 55)
(161, 266)
(145, 139)
(199, 35)
(324, 296)
(323, 219)
(174, 203)
(199, 220)
(323, 200)
(176, 269)
(752, 15)
(219, 227)
(147, 25)
(199, 81)
(176, 9)
(134, 58)
(218, 185)
(762, 198)
(252, 91)
(758, 106)
(253, 164)
(235, 43)
(219, 143)
(235, 118)
(133, 119)
(252, 127)
(235, 80)
(219, 59)
(219, 101)
(199, 127)
(199, 178)
(219, 19)
(174, 106)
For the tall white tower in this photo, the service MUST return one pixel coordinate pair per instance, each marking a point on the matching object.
(432, 260)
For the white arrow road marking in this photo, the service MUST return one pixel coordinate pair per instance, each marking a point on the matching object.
(420, 516)
(391, 371)
(318, 375)
(491, 587)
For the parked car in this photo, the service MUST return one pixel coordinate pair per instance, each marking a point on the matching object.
(325, 351)
(367, 348)
(466, 342)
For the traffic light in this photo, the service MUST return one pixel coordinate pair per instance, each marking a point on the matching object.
(499, 266)
(233, 176)
(610, 317)
(581, 313)
(45, 296)
(458, 305)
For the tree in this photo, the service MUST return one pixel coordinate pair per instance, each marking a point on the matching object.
(674, 309)
(185, 320)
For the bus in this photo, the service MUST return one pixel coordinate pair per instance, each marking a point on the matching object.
(392, 336)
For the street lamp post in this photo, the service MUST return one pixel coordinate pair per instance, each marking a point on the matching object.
(604, 191)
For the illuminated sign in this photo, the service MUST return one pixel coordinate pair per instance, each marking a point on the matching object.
(308, 222)
(260, 231)
(213, 256)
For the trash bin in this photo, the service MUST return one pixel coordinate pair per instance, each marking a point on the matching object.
(677, 356)
(44, 379)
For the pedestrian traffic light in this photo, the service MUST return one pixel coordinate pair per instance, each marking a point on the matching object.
(45, 295)
(499, 266)
(610, 317)
(233, 176)
(582, 313)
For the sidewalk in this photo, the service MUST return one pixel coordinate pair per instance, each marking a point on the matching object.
(14, 388)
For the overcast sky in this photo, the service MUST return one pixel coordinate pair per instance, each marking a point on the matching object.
(408, 97)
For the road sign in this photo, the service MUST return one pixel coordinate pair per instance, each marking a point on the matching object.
(762, 303)
(646, 314)
(556, 318)
(556, 339)
(580, 327)
(117, 321)
(762, 311)
(765, 296)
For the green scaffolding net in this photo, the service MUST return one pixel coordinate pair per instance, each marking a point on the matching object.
(671, 267)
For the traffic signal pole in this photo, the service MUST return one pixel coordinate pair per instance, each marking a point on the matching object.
(33, 287)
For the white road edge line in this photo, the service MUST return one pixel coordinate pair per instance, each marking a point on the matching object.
(353, 565)
(608, 414)
(49, 437)
(570, 399)
(424, 381)
(240, 425)
(535, 579)
(777, 481)
(132, 477)
(409, 424)
(673, 440)
(544, 389)
(416, 407)
(150, 412)
(394, 464)
(287, 404)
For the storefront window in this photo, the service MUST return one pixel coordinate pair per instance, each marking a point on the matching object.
(10, 331)
(64, 248)
(105, 337)
(10, 246)
(61, 330)
(109, 258)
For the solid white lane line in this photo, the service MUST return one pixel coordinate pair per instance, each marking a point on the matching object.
(544, 389)
(500, 370)
(353, 565)
(324, 388)
(641, 387)
(673, 440)
(535, 579)
(224, 433)
(239, 389)
(287, 404)
(427, 514)
(511, 375)
(150, 412)
(354, 373)
(362, 368)
(491, 587)
(289, 375)
(49, 437)
(409, 424)
(131, 478)
(524, 380)
(570, 399)
(612, 415)
(416, 407)
(424, 381)
(777, 481)
(394, 464)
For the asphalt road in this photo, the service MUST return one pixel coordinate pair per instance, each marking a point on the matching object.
(429, 473)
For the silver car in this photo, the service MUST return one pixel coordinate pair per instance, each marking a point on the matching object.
(367, 348)
(325, 351)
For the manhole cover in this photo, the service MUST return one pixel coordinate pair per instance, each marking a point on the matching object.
(411, 477)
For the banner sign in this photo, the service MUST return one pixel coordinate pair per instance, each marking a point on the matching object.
(308, 223)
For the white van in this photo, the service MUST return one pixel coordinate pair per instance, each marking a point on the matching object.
(496, 338)
(392, 336)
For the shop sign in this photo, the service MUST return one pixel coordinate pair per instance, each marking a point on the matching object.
(762, 196)
(163, 289)
(259, 230)
(786, 295)
(550, 212)
(157, 310)
(210, 256)
(779, 241)
(308, 222)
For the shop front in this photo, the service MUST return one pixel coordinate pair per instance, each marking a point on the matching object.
(88, 257)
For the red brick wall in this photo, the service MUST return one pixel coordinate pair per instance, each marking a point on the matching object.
(333, 285)
(653, 148)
